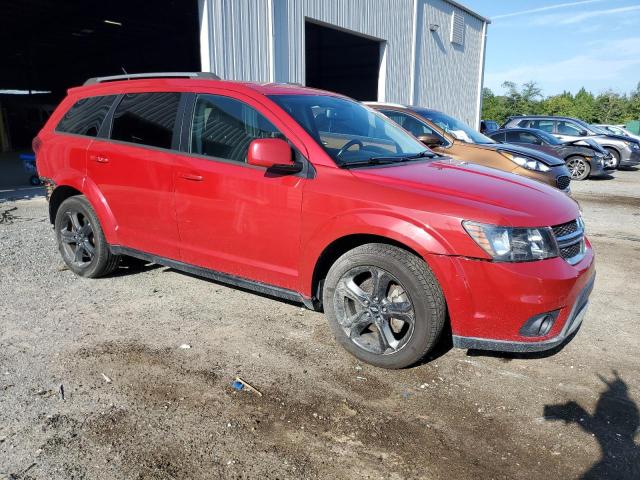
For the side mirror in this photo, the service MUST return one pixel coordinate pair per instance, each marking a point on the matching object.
(274, 154)
(583, 133)
(430, 140)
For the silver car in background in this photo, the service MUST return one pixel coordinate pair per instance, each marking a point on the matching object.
(625, 151)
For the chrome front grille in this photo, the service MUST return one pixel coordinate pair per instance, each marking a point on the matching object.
(570, 239)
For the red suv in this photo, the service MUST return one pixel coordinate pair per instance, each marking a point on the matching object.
(310, 196)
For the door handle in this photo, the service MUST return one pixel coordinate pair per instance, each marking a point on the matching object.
(100, 158)
(194, 177)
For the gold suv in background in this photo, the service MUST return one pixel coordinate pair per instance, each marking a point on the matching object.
(449, 136)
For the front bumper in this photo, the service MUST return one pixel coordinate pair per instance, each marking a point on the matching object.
(490, 302)
(572, 324)
(597, 169)
(630, 160)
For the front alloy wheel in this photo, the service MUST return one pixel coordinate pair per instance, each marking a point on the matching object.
(579, 168)
(374, 310)
(384, 305)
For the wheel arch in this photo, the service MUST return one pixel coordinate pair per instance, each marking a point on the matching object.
(339, 247)
(96, 199)
(59, 195)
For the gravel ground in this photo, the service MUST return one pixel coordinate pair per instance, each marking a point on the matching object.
(136, 405)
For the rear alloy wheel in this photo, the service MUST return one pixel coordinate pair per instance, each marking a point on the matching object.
(579, 167)
(81, 241)
(384, 305)
(615, 159)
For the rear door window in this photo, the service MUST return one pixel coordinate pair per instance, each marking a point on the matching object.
(224, 127)
(85, 117)
(146, 119)
(522, 137)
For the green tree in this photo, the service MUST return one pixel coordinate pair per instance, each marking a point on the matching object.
(606, 107)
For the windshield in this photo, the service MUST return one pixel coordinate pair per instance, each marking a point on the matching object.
(616, 130)
(348, 131)
(460, 130)
(598, 130)
(548, 138)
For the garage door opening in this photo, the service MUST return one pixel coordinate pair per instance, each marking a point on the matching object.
(342, 62)
(49, 46)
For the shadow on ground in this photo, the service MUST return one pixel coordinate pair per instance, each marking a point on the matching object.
(614, 424)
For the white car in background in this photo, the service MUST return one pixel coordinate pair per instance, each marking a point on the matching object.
(619, 130)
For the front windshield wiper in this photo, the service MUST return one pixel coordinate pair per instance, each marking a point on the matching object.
(386, 160)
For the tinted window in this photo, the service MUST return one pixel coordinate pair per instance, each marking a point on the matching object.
(146, 118)
(522, 137)
(224, 127)
(499, 137)
(544, 125)
(86, 116)
(568, 128)
(409, 123)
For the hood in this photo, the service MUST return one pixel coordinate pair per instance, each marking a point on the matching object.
(466, 191)
(622, 137)
(546, 158)
(587, 143)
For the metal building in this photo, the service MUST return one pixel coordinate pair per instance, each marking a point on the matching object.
(418, 52)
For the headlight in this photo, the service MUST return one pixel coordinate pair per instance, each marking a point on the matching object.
(507, 244)
(526, 162)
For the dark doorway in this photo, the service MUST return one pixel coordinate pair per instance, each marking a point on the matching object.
(52, 45)
(342, 62)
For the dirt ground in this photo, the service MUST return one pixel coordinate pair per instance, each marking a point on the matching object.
(138, 406)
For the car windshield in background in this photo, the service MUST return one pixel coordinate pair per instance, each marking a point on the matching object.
(599, 130)
(460, 130)
(350, 132)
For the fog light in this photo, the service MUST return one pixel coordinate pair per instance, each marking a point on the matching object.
(539, 325)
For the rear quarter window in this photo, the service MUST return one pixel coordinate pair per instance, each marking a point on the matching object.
(146, 119)
(85, 117)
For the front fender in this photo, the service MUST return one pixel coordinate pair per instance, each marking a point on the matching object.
(389, 225)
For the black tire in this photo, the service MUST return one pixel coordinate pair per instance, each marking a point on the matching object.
(81, 241)
(579, 167)
(418, 287)
(616, 158)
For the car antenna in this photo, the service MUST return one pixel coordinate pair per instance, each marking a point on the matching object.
(125, 72)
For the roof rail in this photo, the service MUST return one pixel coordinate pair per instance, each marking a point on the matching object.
(133, 76)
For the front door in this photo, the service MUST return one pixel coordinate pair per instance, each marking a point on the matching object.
(233, 217)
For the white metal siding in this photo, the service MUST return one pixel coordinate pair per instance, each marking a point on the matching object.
(445, 75)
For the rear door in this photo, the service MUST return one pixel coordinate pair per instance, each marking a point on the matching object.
(67, 151)
(233, 217)
(132, 166)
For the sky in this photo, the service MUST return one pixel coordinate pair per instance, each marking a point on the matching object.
(562, 44)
